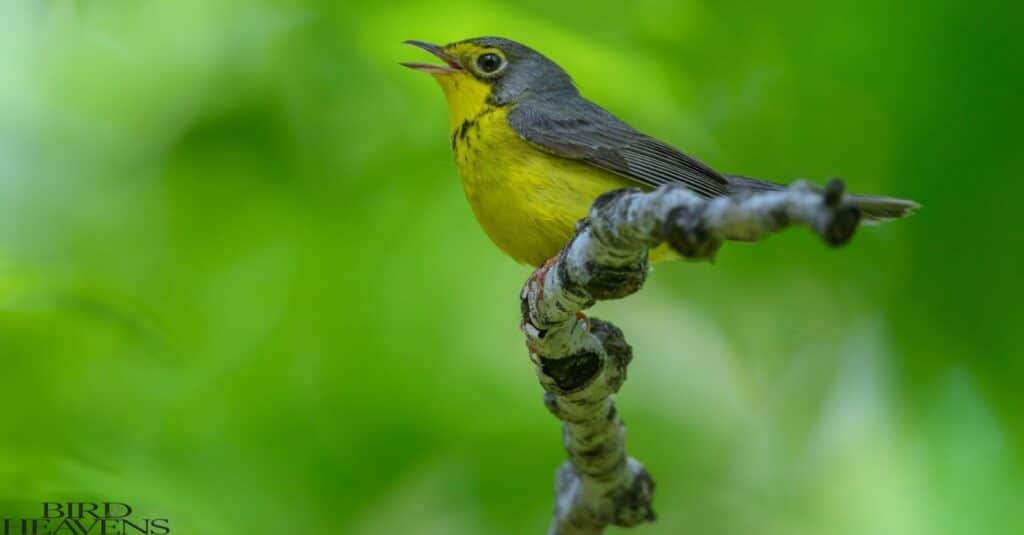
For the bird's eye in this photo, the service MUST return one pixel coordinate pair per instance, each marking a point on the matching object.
(488, 63)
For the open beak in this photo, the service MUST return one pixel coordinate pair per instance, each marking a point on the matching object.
(451, 64)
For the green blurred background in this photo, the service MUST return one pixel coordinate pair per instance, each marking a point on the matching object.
(240, 286)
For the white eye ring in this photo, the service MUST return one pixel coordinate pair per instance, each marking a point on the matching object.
(489, 63)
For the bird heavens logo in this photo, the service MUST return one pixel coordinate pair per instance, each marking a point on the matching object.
(85, 518)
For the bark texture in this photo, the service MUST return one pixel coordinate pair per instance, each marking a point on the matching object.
(581, 362)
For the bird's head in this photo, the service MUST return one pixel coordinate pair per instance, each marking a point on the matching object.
(491, 70)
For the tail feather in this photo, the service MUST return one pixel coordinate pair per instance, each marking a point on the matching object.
(874, 208)
(879, 209)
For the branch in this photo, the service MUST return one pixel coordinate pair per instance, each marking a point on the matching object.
(582, 361)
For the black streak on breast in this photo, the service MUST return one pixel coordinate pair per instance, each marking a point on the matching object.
(463, 130)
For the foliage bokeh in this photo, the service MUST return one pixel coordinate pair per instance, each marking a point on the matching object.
(240, 286)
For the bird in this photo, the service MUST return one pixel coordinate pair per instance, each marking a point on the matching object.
(534, 154)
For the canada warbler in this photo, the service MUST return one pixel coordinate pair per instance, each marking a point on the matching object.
(534, 154)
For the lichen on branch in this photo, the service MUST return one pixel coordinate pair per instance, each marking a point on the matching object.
(581, 362)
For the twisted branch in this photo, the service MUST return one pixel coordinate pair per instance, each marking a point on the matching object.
(582, 361)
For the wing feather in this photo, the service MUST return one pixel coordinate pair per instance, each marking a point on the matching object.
(575, 128)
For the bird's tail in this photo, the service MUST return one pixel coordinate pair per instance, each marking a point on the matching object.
(874, 208)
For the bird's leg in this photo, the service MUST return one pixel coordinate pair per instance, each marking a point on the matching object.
(535, 283)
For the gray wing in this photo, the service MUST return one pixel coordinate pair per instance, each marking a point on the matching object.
(581, 130)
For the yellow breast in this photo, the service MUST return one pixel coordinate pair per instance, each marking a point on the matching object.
(526, 200)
